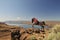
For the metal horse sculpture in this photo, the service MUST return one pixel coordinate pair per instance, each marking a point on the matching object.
(36, 22)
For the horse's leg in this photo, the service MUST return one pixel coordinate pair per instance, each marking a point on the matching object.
(32, 26)
(43, 28)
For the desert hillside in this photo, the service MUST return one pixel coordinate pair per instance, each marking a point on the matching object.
(52, 23)
(26, 34)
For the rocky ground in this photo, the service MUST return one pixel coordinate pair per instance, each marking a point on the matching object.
(26, 34)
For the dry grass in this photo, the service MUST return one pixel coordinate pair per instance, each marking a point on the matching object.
(55, 33)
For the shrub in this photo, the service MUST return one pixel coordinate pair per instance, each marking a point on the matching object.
(55, 33)
(32, 38)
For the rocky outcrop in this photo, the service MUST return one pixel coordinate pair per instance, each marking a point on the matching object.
(26, 34)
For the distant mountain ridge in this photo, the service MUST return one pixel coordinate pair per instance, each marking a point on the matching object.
(18, 22)
(29, 22)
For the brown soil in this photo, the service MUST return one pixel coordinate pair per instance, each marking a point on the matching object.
(5, 32)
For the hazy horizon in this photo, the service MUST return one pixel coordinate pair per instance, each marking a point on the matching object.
(27, 9)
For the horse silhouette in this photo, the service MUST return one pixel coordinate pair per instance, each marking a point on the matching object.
(36, 22)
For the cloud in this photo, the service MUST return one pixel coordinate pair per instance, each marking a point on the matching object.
(22, 18)
(2, 19)
(18, 18)
(13, 19)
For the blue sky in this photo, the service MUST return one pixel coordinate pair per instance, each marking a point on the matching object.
(27, 9)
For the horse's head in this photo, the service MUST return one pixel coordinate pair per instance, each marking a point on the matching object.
(35, 21)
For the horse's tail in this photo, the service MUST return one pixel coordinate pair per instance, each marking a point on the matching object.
(43, 22)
